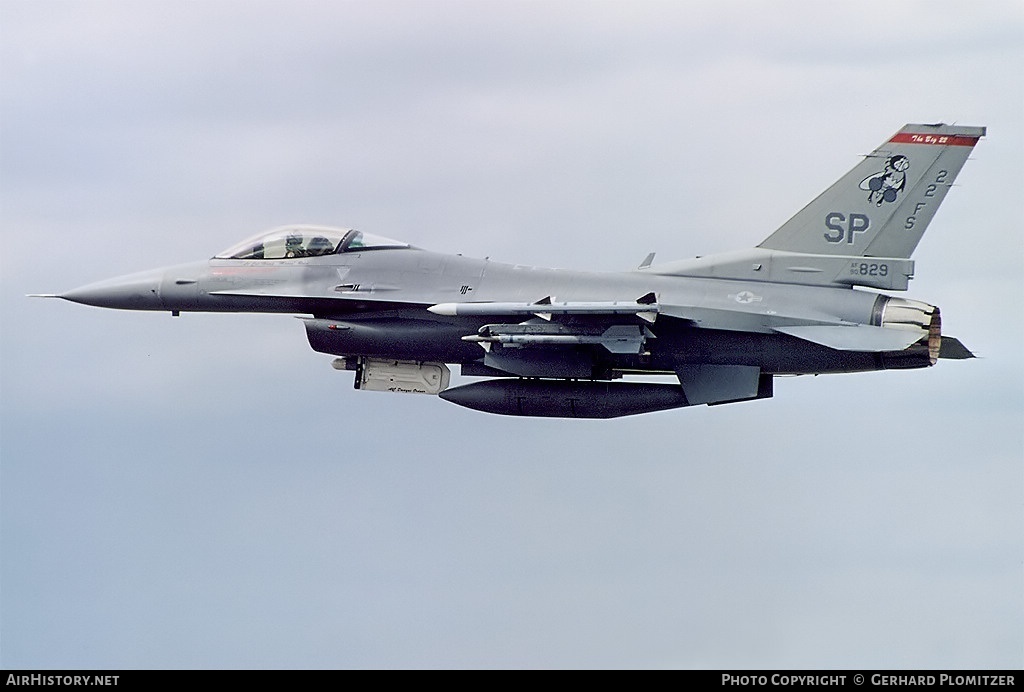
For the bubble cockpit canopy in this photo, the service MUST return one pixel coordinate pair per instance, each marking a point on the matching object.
(288, 242)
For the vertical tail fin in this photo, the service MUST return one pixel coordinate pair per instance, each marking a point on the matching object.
(882, 207)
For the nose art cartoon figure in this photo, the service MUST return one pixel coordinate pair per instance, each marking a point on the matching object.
(885, 186)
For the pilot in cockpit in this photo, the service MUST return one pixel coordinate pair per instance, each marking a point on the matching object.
(293, 246)
(319, 245)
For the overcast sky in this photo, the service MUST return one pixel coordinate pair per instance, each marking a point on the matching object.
(208, 492)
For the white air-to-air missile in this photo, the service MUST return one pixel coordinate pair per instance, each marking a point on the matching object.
(578, 344)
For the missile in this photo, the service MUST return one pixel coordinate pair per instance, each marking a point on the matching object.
(617, 338)
(646, 308)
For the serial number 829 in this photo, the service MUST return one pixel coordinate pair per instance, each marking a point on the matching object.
(869, 269)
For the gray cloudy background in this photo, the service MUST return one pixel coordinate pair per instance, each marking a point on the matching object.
(208, 492)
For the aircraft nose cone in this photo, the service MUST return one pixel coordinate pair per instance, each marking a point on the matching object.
(132, 292)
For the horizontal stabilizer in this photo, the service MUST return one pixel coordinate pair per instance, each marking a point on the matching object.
(954, 350)
(854, 337)
(719, 384)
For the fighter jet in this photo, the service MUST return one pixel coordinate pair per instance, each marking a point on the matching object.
(575, 344)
